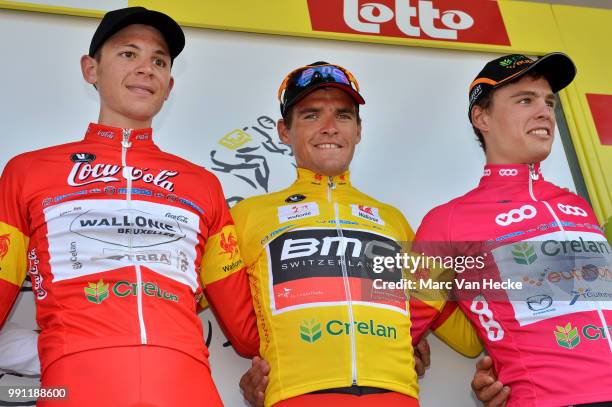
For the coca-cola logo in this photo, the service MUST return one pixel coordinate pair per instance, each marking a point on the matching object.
(35, 276)
(477, 21)
(83, 173)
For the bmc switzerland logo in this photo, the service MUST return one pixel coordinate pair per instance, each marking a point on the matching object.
(477, 21)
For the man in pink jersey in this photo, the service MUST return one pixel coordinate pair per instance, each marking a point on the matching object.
(549, 336)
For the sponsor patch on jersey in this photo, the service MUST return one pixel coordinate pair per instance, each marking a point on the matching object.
(5, 242)
(35, 276)
(368, 213)
(82, 157)
(561, 273)
(307, 268)
(298, 211)
(100, 235)
(295, 198)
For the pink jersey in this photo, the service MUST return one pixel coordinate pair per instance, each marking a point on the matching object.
(550, 340)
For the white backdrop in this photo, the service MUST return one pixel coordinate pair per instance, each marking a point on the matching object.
(417, 149)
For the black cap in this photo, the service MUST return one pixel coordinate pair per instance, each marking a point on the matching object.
(115, 20)
(294, 92)
(556, 67)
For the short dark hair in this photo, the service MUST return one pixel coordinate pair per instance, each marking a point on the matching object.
(288, 117)
(486, 101)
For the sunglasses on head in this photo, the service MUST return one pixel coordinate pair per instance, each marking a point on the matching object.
(313, 74)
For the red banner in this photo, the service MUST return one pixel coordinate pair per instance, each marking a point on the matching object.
(601, 108)
(477, 21)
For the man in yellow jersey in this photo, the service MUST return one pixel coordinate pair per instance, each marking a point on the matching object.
(330, 337)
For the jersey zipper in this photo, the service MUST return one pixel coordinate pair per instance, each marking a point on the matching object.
(594, 304)
(125, 145)
(533, 176)
(345, 278)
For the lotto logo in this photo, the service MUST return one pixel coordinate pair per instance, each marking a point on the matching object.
(368, 17)
(508, 172)
(474, 22)
(516, 215)
(572, 210)
(480, 307)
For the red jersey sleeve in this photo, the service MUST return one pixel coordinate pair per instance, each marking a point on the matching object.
(225, 280)
(445, 319)
(14, 234)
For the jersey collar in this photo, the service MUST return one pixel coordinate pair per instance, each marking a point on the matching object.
(307, 176)
(511, 173)
(99, 133)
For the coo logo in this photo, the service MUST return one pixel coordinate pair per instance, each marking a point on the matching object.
(516, 215)
(486, 173)
(375, 14)
(480, 307)
(5, 242)
(508, 172)
(571, 210)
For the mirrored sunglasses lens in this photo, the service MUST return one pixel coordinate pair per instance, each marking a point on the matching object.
(321, 74)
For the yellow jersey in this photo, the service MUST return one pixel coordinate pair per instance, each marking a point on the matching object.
(309, 251)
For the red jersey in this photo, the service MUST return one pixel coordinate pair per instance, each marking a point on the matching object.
(113, 232)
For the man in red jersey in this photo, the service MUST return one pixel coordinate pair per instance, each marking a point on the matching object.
(113, 236)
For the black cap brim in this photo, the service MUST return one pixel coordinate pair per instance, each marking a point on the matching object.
(116, 20)
(556, 67)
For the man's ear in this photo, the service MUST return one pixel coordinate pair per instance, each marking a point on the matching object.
(480, 119)
(283, 132)
(89, 69)
(170, 86)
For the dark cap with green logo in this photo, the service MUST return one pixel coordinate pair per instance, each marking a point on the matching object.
(556, 67)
